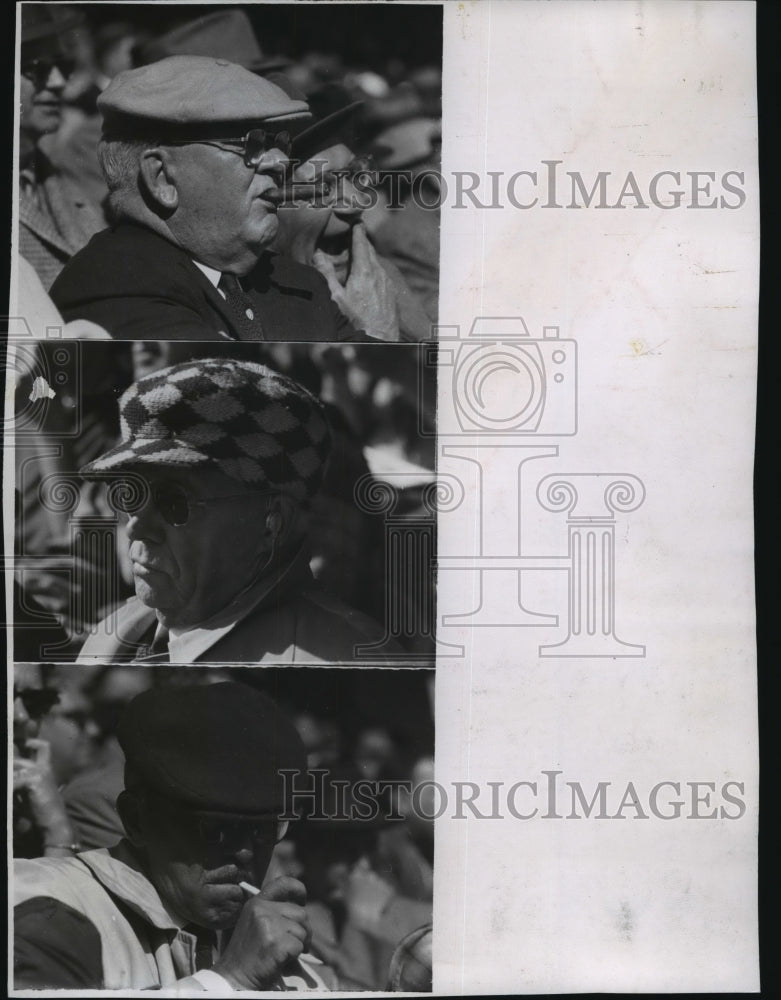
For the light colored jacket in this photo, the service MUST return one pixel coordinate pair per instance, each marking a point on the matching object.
(108, 888)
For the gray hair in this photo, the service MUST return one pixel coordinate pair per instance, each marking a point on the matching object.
(120, 160)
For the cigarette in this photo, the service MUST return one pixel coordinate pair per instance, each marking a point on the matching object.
(249, 889)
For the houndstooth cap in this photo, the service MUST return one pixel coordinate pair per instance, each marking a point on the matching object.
(258, 427)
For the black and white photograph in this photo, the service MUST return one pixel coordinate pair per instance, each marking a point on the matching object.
(222, 829)
(259, 172)
(354, 342)
(242, 503)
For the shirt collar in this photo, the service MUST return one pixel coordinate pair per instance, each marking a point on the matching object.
(119, 870)
(211, 273)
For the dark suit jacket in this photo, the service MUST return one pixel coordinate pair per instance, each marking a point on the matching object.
(139, 286)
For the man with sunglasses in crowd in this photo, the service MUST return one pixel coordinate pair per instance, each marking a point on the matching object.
(175, 904)
(56, 217)
(194, 150)
(218, 463)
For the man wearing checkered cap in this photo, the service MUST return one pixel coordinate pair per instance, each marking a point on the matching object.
(215, 470)
(194, 151)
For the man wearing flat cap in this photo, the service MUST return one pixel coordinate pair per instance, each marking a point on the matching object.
(166, 907)
(218, 463)
(194, 151)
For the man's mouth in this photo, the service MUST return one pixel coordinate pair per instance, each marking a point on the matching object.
(147, 569)
(336, 245)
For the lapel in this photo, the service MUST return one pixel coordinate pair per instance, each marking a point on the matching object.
(213, 298)
(119, 872)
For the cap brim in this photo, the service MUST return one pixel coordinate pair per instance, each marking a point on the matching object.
(313, 139)
(146, 451)
(269, 63)
(53, 30)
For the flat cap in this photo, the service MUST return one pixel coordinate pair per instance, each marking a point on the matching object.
(193, 94)
(215, 748)
(258, 427)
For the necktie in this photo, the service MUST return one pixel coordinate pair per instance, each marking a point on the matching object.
(157, 651)
(159, 648)
(242, 308)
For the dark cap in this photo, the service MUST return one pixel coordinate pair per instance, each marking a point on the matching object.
(215, 748)
(226, 34)
(42, 21)
(337, 127)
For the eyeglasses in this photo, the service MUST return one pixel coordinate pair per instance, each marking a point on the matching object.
(228, 835)
(39, 70)
(37, 701)
(171, 501)
(328, 186)
(252, 146)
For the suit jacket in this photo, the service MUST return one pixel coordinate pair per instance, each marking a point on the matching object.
(139, 286)
(302, 626)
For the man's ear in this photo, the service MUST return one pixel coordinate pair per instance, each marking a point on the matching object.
(129, 809)
(158, 179)
(284, 521)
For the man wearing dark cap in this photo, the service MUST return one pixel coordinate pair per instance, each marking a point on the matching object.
(174, 904)
(56, 217)
(321, 224)
(218, 463)
(193, 151)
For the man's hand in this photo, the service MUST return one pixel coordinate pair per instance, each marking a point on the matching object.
(368, 299)
(270, 934)
(34, 775)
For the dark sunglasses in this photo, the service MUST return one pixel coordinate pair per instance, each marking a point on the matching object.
(171, 501)
(39, 70)
(328, 185)
(227, 835)
(37, 701)
(252, 146)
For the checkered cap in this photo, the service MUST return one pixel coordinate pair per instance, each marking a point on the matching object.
(258, 427)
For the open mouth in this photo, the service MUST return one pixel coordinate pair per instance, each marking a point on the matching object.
(336, 245)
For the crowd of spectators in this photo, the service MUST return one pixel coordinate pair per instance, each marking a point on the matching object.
(369, 880)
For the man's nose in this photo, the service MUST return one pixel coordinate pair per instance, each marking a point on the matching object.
(275, 163)
(146, 522)
(55, 80)
(347, 205)
(24, 726)
(21, 715)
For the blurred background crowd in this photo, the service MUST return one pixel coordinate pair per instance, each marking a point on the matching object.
(369, 882)
(387, 57)
(71, 562)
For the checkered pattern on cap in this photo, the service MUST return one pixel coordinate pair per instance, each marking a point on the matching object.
(258, 427)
